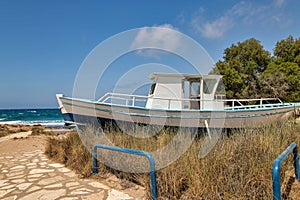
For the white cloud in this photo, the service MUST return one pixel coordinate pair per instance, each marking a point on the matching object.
(162, 36)
(244, 12)
(214, 29)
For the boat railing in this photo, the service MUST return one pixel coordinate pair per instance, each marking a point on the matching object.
(236, 104)
(134, 100)
(230, 104)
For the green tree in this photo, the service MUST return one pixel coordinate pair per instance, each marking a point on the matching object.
(241, 67)
(282, 80)
(287, 50)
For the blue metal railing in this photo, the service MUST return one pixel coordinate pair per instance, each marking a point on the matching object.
(129, 151)
(276, 169)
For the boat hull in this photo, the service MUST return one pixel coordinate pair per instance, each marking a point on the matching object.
(84, 111)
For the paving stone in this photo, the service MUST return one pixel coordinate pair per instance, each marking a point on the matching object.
(42, 163)
(49, 181)
(33, 179)
(70, 184)
(16, 177)
(17, 168)
(80, 192)
(28, 154)
(4, 192)
(35, 175)
(14, 197)
(70, 174)
(13, 174)
(16, 192)
(98, 196)
(40, 171)
(52, 174)
(8, 187)
(18, 181)
(35, 160)
(31, 164)
(99, 185)
(58, 185)
(23, 186)
(2, 182)
(69, 198)
(63, 170)
(114, 194)
(45, 195)
(56, 165)
(33, 188)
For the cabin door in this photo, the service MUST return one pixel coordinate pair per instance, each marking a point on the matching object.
(195, 91)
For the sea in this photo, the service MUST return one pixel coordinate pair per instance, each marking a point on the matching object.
(46, 117)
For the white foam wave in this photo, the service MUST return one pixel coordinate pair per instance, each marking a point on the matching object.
(11, 122)
(32, 111)
(55, 123)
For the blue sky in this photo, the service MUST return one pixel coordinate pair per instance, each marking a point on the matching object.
(43, 43)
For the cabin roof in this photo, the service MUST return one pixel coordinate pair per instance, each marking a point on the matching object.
(154, 76)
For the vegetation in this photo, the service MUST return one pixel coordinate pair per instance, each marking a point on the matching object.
(251, 72)
(70, 151)
(9, 129)
(239, 167)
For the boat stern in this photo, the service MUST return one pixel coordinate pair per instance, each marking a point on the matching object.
(67, 117)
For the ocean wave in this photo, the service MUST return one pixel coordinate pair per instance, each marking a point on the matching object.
(50, 123)
(11, 122)
(32, 111)
(1, 119)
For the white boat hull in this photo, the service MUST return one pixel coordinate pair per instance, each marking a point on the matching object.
(81, 111)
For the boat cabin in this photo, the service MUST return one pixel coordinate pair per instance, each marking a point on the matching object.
(184, 91)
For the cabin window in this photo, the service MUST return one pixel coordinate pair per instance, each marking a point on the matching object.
(208, 85)
(152, 88)
(195, 88)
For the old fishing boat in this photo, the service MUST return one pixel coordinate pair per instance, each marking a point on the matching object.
(185, 100)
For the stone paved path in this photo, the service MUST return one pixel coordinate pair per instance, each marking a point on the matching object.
(29, 175)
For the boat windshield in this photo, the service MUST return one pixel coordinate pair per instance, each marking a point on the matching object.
(208, 85)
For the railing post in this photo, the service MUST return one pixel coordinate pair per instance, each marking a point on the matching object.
(260, 102)
(276, 169)
(95, 169)
(296, 163)
(133, 100)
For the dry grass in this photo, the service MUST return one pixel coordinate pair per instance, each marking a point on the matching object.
(239, 166)
(6, 129)
(71, 152)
